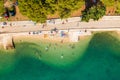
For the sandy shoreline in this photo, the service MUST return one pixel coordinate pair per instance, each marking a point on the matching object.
(54, 35)
(39, 37)
(31, 38)
(36, 38)
(47, 37)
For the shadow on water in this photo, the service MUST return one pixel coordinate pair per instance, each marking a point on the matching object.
(33, 69)
(26, 49)
(29, 67)
(98, 63)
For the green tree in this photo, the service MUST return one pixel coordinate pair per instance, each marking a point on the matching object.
(1, 7)
(118, 7)
(85, 16)
(108, 3)
(37, 10)
(95, 12)
(66, 7)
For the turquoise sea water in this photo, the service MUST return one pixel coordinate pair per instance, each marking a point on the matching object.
(96, 58)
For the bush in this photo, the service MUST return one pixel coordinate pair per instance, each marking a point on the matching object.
(95, 12)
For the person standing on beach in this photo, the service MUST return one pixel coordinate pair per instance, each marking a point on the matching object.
(10, 24)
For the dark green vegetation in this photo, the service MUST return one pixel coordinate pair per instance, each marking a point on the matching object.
(100, 61)
(95, 12)
(109, 2)
(40, 9)
(1, 7)
(115, 3)
(37, 10)
(118, 7)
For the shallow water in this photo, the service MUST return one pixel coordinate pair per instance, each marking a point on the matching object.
(90, 59)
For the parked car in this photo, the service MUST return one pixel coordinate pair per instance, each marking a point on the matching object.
(6, 13)
(12, 11)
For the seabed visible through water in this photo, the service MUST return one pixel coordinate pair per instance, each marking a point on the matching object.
(96, 58)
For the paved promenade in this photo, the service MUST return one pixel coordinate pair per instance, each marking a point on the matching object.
(106, 23)
(74, 25)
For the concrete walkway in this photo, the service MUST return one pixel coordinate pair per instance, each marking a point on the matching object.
(106, 23)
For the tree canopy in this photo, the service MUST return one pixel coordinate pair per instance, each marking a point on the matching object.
(66, 7)
(37, 10)
(34, 9)
(95, 12)
(118, 7)
(108, 3)
(1, 7)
